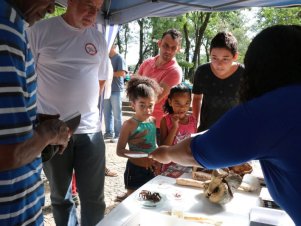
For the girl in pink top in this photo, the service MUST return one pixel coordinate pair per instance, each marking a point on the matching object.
(178, 124)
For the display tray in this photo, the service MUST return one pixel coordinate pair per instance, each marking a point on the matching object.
(150, 203)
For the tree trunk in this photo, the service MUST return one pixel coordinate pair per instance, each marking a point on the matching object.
(198, 41)
(207, 49)
(119, 43)
(154, 47)
(126, 39)
(141, 42)
(187, 47)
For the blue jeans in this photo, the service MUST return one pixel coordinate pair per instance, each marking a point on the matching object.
(113, 112)
(86, 155)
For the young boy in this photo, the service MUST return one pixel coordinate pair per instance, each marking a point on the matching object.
(215, 85)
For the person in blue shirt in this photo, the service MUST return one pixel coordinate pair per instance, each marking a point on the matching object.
(266, 126)
(113, 106)
(21, 140)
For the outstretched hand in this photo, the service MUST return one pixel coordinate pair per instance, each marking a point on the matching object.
(161, 155)
(179, 153)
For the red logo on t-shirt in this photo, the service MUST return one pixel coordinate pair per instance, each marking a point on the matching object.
(90, 49)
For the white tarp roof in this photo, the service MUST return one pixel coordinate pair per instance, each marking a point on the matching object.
(123, 11)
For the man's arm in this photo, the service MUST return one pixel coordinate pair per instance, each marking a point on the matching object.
(119, 73)
(165, 92)
(119, 66)
(17, 149)
(179, 153)
(196, 107)
(105, 72)
(16, 155)
(172, 78)
(101, 86)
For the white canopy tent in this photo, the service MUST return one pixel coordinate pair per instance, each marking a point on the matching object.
(118, 12)
(123, 11)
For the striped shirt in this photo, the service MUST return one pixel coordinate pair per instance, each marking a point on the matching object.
(21, 189)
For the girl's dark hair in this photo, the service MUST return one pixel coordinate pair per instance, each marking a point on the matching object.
(181, 88)
(273, 60)
(140, 86)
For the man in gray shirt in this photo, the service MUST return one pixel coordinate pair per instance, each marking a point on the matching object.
(112, 106)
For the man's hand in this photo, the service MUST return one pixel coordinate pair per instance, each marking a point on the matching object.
(43, 117)
(157, 167)
(161, 155)
(57, 132)
(179, 153)
(51, 131)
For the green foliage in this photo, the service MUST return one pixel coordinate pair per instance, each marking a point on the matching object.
(232, 21)
(160, 25)
(57, 12)
(191, 57)
(131, 67)
(272, 16)
(185, 64)
(151, 30)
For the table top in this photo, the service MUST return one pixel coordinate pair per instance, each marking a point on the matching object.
(192, 202)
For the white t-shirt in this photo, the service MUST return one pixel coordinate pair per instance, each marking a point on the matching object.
(69, 63)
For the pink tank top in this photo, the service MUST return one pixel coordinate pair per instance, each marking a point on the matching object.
(184, 131)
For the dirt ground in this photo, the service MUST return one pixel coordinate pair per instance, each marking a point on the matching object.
(113, 185)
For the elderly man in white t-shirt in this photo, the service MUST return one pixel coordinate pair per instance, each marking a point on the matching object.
(71, 61)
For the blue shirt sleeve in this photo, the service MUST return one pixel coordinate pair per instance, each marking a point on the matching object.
(229, 143)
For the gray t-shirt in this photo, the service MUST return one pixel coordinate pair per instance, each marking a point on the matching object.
(118, 64)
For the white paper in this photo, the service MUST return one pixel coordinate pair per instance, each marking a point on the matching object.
(270, 216)
(136, 155)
